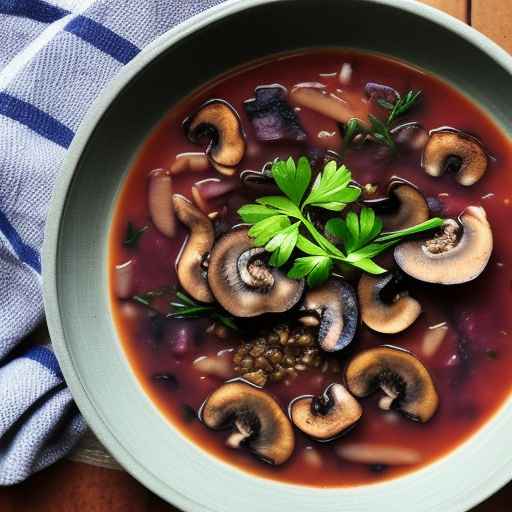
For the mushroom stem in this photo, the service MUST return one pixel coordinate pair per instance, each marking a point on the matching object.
(241, 434)
(386, 402)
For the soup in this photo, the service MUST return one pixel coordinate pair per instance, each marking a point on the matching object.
(310, 271)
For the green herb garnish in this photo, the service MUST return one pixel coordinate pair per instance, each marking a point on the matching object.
(146, 298)
(186, 307)
(132, 235)
(379, 130)
(282, 224)
(403, 105)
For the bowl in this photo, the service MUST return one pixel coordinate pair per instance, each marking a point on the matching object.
(75, 250)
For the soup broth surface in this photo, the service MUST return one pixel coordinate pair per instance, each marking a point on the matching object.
(471, 366)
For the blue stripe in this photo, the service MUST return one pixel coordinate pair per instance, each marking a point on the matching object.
(33, 9)
(24, 252)
(37, 120)
(44, 357)
(103, 38)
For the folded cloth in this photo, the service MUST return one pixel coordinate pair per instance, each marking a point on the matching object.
(55, 59)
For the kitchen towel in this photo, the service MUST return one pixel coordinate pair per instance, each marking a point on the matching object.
(55, 58)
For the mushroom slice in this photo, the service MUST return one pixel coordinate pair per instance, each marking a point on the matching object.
(403, 378)
(190, 266)
(243, 283)
(217, 121)
(271, 115)
(259, 423)
(457, 255)
(384, 306)
(404, 207)
(449, 149)
(335, 305)
(328, 416)
(160, 202)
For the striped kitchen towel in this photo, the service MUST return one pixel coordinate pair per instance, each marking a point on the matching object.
(56, 56)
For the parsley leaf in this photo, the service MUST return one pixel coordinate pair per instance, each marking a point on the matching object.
(280, 203)
(252, 213)
(292, 179)
(267, 228)
(317, 269)
(281, 246)
(132, 235)
(331, 188)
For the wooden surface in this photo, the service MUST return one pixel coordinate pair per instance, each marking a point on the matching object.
(76, 487)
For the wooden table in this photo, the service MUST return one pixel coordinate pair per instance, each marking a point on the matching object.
(77, 487)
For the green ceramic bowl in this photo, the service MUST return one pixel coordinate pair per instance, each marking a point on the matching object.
(75, 252)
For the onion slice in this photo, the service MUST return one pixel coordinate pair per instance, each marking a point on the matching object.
(160, 202)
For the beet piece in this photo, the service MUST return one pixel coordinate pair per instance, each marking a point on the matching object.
(272, 116)
(381, 93)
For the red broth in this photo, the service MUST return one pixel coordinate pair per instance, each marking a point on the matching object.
(472, 368)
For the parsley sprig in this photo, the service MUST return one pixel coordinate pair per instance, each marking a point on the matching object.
(379, 130)
(282, 224)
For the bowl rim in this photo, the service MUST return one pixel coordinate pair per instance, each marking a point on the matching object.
(57, 207)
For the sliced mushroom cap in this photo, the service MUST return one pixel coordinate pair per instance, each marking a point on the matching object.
(404, 207)
(385, 307)
(328, 416)
(458, 255)
(190, 267)
(403, 378)
(243, 283)
(218, 121)
(259, 423)
(335, 305)
(449, 149)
